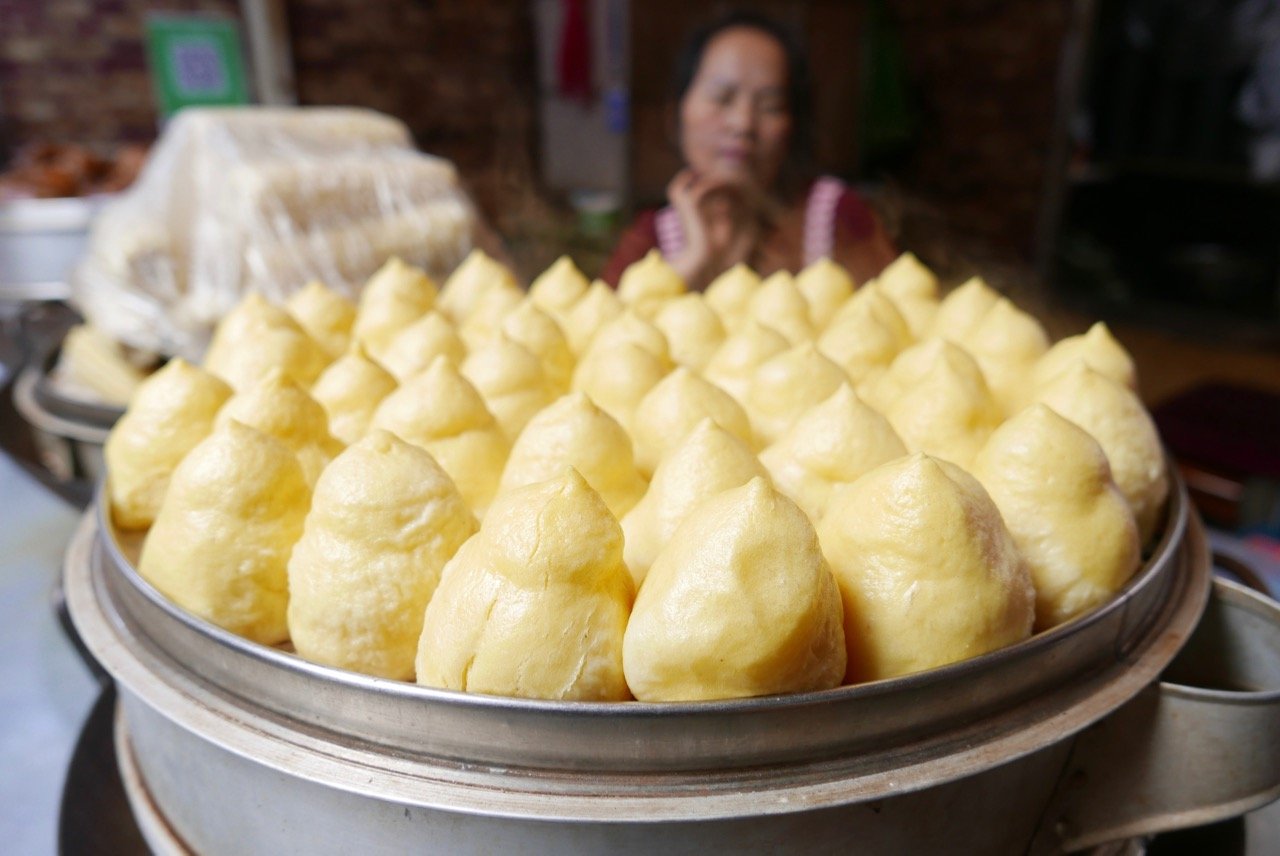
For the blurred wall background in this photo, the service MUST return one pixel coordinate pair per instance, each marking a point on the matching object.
(462, 75)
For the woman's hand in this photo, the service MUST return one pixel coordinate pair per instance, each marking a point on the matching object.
(720, 225)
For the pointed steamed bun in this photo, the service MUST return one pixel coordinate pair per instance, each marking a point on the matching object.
(533, 328)
(257, 337)
(927, 571)
(949, 412)
(779, 304)
(730, 294)
(835, 442)
(914, 290)
(443, 413)
(221, 543)
(826, 285)
(649, 283)
(325, 315)
(1053, 486)
(674, 407)
(488, 313)
(865, 335)
(1115, 417)
(1097, 348)
(350, 390)
(384, 520)
(574, 432)
(1007, 343)
(536, 603)
(735, 362)
(787, 385)
(277, 406)
(417, 346)
(598, 307)
(558, 288)
(962, 310)
(470, 282)
(692, 328)
(706, 462)
(740, 603)
(512, 382)
(618, 378)
(394, 297)
(168, 415)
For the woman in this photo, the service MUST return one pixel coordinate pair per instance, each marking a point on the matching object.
(746, 193)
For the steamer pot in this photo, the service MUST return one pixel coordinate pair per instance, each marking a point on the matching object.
(1060, 742)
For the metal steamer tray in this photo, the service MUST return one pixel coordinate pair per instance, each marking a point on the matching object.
(218, 725)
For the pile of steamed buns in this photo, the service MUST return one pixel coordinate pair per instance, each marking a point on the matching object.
(574, 493)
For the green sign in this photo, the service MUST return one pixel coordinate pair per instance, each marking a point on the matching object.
(195, 61)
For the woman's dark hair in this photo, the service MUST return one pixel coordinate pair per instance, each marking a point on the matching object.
(798, 166)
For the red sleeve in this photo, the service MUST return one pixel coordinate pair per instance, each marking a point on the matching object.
(639, 238)
(854, 218)
(861, 243)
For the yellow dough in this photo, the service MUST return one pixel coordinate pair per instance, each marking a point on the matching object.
(488, 313)
(865, 335)
(536, 603)
(325, 315)
(649, 283)
(384, 520)
(826, 285)
(961, 311)
(1114, 415)
(708, 461)
(833, 443)
(394, 297)
(169, 414)
(1006, 344)
(574, 432)
(541, 335)
(558, 288)
(735, 362)
(911, 366)
(597, 308)
(1053, 486)
(617, 378)
(256, 337)
(948, 412)
(279, 407)
(443, 413)
(928, 573)
(511, 381)
(740, 603)
(1097, 348)
(674, 407)
(417, 346)
(221, 543)
(730, 294)
(907, 276)
(692, 328)
(913, 288)
(783, 388)
(780, 305)
(629, 327)
(469, 282)
(350, 391)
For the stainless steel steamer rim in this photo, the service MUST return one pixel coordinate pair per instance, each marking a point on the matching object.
(655, 762)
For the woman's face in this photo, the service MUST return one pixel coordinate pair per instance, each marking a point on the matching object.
(735, 122)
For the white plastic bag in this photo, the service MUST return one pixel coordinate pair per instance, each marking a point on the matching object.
(264, 199)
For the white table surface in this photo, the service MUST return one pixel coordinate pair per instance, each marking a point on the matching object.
(45, 690)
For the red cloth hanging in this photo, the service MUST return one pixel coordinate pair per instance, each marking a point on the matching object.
(573, 62)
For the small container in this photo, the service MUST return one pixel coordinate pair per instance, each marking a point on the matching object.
(41, 240)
